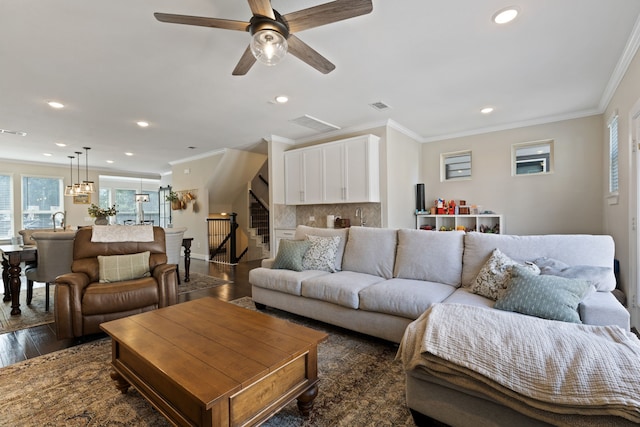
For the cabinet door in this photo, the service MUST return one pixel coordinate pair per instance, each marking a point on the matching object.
(293, 181)
(334, 187)
(361, 170)
(312, 176)
(303, 177)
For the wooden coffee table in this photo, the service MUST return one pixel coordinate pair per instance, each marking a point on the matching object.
(210, 363)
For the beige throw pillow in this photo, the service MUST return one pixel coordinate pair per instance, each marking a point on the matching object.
(493, 277)
(117, 268)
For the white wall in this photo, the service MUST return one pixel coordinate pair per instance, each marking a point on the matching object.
(402, 174)
(569, 200)
(618, 217)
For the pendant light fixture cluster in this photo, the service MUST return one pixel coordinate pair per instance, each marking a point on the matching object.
(80, 187)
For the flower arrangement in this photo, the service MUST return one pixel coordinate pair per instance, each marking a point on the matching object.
(96, 211)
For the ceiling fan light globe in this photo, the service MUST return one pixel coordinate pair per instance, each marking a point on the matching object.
(269, 46)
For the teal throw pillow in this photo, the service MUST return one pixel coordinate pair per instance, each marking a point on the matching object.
(548, 297)
(290, 255)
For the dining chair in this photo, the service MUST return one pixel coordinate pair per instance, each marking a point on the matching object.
(55, 255)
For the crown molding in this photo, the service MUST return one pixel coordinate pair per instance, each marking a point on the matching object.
(633, 43)
(198, 157)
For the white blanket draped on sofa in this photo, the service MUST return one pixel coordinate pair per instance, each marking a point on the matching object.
(549, 370)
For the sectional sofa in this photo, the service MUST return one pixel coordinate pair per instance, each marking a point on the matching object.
(378, 281)
(386, 278)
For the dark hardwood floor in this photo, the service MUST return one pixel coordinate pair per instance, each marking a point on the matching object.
(27, 343)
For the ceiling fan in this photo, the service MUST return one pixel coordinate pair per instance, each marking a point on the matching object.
(273, 34)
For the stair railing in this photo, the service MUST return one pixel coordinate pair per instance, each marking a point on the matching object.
(221, 235)
(259, 217)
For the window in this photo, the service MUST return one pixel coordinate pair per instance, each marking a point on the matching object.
(613, 154)
(532, 158)
(455, 166)
(6, 207)
(41, 198)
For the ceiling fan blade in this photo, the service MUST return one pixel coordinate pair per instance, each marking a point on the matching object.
(326, 14)
(262, 7)
(202, 22)
(246, 62)
(305, 53)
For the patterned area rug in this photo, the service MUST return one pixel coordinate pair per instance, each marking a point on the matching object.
(360, 385)
(36, 315)
(33, 315)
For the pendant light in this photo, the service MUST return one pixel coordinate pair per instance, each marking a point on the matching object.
(87, 186)
(68, 190)
(77, 187)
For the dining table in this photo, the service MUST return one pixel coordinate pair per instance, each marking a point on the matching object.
(12, 257)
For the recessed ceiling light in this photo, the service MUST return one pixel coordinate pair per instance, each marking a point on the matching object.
(109, 161)
(55, 104)
(61, 144)
(47, 154)
(505, 15)
(486, 110)
(281, 99)
(142, 124)
(128, 154)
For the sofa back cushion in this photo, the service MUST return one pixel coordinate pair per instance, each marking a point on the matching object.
(302, 231)
(572, 249)
(371, 251)
(430, 255)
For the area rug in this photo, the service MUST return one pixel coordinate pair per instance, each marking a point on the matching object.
(198, 282)
(360, 385)
(35, 315)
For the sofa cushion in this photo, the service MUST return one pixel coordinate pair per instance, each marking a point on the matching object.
(430, 256)
(492, 279)
(290, 254)
(302, 231)
(371, 251)
(287, 281)
(117, 268)
(597, 276)
(340, 288)
(549, 297)
(321, 254)
(403, 297)
(575, 249)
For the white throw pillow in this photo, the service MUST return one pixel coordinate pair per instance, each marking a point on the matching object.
(321, 254)
(492, 280)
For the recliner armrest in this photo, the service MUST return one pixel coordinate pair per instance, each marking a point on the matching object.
(68, 304)
(167, 277)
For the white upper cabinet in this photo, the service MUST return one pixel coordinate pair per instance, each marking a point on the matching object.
(303, 176)
(345, 171)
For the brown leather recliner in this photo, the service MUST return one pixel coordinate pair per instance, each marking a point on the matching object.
(82, 303)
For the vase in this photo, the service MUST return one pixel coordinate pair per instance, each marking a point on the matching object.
(102, 220)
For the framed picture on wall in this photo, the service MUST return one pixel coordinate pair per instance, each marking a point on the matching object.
(82, 199)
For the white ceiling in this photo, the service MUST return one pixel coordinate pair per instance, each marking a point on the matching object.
(435, 63)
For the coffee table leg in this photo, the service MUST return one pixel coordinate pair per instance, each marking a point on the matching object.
(305, 400)
(121, 384)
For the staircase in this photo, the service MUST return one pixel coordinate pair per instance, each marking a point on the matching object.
(258, 229)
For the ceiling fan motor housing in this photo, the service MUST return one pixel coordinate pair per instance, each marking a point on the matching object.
(260, 23)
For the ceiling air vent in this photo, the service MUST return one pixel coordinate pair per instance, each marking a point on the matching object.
(13, 132)
(315, 124)
(380, 106)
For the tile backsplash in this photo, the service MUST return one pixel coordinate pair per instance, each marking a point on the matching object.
(290, 216)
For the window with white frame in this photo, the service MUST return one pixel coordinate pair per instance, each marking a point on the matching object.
(532, 158)
(6, 207)
(455, 166)
(613, 154)
(41, 198)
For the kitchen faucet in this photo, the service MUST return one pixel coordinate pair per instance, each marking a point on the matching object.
(362, 219)
(53, 218)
